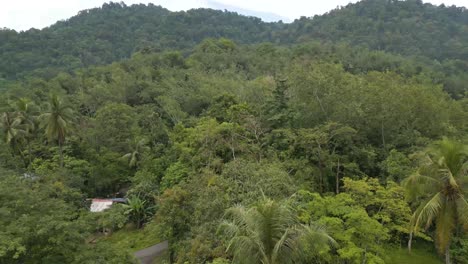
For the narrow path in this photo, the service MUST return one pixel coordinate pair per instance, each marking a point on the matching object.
(147, 255)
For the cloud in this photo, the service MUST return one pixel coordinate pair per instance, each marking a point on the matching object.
(265, 16)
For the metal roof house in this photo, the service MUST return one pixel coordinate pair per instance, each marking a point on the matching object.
(99, 205)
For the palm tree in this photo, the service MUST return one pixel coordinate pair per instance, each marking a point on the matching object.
(135, 155)
(27, 114)
(269, 233)
(440, 186)
(13, 130)
(57, 121)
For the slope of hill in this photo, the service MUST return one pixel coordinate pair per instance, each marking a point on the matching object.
(190, 137)
(225, 141)
(102, 35)
(405, 27)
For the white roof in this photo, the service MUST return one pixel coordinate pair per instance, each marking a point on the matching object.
(99, 205)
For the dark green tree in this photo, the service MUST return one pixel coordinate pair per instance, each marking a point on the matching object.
(58, 120)
(439, 187)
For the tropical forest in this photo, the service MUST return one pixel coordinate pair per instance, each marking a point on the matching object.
(339, 138)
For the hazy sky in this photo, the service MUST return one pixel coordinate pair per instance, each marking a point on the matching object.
(24, 14)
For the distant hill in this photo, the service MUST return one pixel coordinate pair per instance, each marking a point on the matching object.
(405, 27)
(114, 31)
(103, 35)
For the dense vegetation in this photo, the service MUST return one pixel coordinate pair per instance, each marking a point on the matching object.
(436, 36)
(245, 153)
(404, 27)
(113, 32)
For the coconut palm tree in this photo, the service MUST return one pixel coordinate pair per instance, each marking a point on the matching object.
(269, 233)
(58, 121)
(27, 114)
(13, 130)
(137, 149)
(440, 187)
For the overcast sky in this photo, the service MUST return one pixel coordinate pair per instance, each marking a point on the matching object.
(24, 14)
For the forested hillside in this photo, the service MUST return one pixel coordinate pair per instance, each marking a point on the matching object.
(113, 32)
(318, 151)
(404, 27)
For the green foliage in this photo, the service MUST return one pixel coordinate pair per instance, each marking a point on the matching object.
(188, 127)
(397, 166)
(137, 151)
(363, 218)
(269, 233)
(176, 222)
(174, 175)
(86, 39)
(114, 31)
(137, 210)
(385, 204)
(112, 219)
(378, 24)
(131, 239)
(58, 121)
(114, 126)
(12, 130)
(220, 261)
(419, 255)
(277, 110)
(438, 189)
(459, 249)
(100, 254)
(41, 223)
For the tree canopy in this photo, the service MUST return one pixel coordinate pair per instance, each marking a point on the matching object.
(301, 149)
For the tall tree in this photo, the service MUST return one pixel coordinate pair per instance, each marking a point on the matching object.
(27, 115)
(440, 187)
(137, 148)
(277, 108)
(269, 233)
(58, 120)
(13, 130)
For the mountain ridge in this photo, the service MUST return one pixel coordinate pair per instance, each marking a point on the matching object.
(114, 31)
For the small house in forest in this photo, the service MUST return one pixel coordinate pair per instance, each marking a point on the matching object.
(99, 205)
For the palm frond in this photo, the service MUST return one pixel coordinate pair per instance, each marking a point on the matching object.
(428, 211)
(451, 155)
(462, 210)
(228, 229)
(268, 233)
(127, 156)
(418, 184)
(283, 247)
(245, 250)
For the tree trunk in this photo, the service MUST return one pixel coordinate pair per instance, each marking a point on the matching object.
(29, 152)
(320, 103)
(321, 177)
(410, 241)
(319, 156)
(171, 255)
(364, 256)
(447, 254)
(23, 158)
(60, 154)
(383, 134)
(338, 177)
